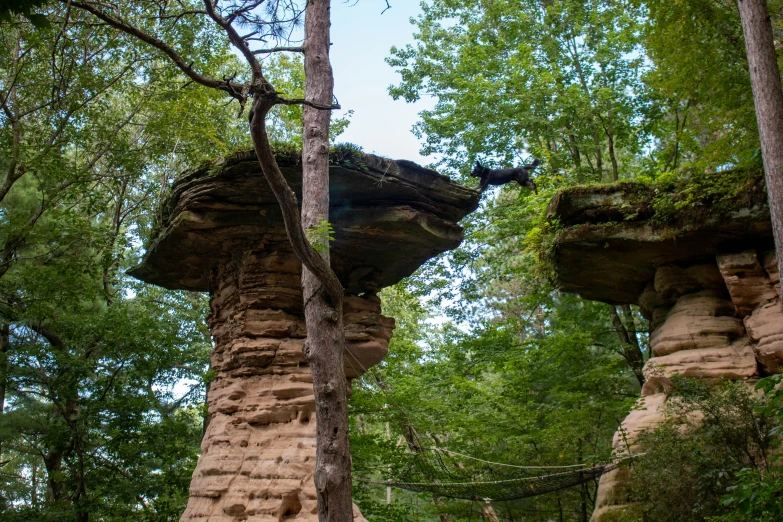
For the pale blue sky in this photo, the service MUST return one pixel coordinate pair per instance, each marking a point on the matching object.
(361, 39)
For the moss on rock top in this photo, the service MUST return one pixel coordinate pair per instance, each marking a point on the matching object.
(388, 218)
(605, 241)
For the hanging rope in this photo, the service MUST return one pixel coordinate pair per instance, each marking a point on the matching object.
(436, 471)
(445, 473)
(501, 490)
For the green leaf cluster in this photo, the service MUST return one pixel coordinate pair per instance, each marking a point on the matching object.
(320, 235)
(715, 457)
(102, 378)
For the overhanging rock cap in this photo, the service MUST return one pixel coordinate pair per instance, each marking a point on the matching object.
(389, 217)
(609, 245)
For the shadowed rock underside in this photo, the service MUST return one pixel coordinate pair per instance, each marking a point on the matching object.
(388, 216)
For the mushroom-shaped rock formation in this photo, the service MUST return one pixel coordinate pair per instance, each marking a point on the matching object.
(705, 277)
(220, 230)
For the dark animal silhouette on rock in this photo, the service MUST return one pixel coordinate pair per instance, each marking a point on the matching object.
(504, 176)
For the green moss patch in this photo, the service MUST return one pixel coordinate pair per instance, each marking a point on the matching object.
(685, 200)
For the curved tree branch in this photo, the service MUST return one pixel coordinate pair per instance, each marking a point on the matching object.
(185, 67)
(237, 41)
(301, 101)
(288, 202)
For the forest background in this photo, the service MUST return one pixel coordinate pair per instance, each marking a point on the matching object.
(102, 378)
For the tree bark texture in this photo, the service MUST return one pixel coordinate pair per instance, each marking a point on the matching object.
(323, 292)
(768, 99)
(489, 513)
(610, 136)
(323, 314)
(5, 346)
(632, 352)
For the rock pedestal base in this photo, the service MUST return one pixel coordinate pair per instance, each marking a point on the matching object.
(258, 451)
(220, 229)
(722, 319)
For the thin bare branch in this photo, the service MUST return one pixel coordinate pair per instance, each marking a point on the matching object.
(243, 10)
(180, 62)
(236, 41)
(279, 50)
(301, 101)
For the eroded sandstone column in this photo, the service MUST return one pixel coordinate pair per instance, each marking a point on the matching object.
(258, 452)
(219, 229)
(722, 319)
(705, 278)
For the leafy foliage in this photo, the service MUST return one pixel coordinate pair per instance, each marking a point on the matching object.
(102, 378)
(713, 457)
(348, 155)
(319, 235)
(503, 392)
(284, 123)
(558, 81)
(655, 92)
(24, 8)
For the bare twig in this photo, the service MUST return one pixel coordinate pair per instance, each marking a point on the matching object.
(279, 50)
(117, 23)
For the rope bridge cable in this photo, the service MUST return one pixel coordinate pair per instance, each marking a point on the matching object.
(436, 471)
(502, 490)
(430, 471)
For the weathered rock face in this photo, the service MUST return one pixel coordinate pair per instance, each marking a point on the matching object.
(389, 217)
(709, 287)
(221, 231)
(258, 451)
(611, 250)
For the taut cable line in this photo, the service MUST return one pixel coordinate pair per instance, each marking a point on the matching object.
(446, 473)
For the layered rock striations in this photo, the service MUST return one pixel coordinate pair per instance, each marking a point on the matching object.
(708, 283)
(220, 231)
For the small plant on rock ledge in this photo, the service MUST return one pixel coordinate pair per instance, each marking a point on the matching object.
(320, 235)
(349, 156)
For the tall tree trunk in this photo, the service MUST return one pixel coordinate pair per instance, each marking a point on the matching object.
(612, 157)
(34, 485)
(207, 416)
(323, 293)
(559, 508)
(80, 499)
(53, 461)
(582, 489)
(599, 163)
(632, 352)
(5, 344)
(388, 488)
(323, 316)
(15, 170)
(489, 513)
(573, 49)
(583, 503)
(629, 320)
(575, 156)
(768, 98)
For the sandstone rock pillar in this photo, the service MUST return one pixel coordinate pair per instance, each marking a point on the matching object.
(710, 320)
(220, 230)
(707, 282)
(258, 451)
